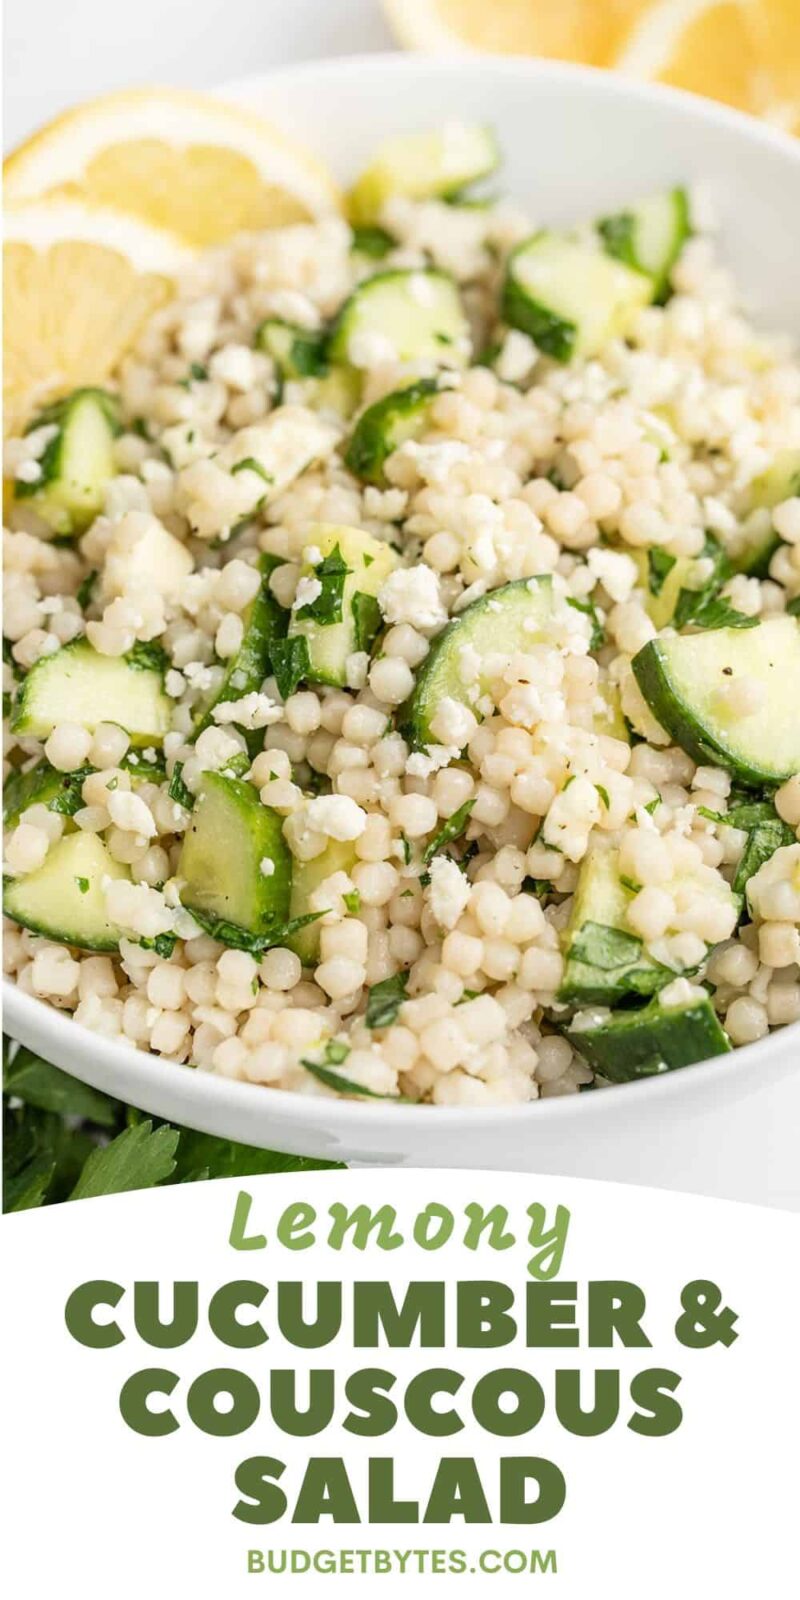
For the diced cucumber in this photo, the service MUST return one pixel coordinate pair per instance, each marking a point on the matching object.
(604, 960)
(42, 785)
(403, 316)
(306, 878)
(264, 622)
(61, 791)
(387, 424)
(423, 166)
(608, 717)
(683, 680)
(77, 463)
(344, 617)
(650, 236)
(570, 298)
(641, 1044)
(676, 587)
(505, 620)
(754, 544)
(300, 358)
(77, 684)
(225, 859)
(297, 352)
(64, 898)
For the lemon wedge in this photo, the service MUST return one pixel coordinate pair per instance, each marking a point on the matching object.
(80, 281)
(187, 162)
(743, 52)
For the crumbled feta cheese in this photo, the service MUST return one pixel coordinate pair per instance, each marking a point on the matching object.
(516, 357)
(421, 765)
(337, 816)
(617, 572)
(411, 594)
(237, 366)
(449, 891)
(308, 590)
(250, 711)
(266, 867)
(28, 472)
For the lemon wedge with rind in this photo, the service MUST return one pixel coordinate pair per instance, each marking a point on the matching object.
(80, 282)
(188, 162)
(745, 53)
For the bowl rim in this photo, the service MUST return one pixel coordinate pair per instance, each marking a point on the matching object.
(349, 1116)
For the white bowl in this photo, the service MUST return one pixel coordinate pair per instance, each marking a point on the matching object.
(577, 143)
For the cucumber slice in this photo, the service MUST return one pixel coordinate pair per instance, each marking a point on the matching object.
(43, 785)
(682, 680)
(570, 298)
(382, 428)
(754, 544)
(264, 622)
(650, 236)
(297, 352)
(77, 463)
(306, 877)
(299, 355)
(344, 617)
(77, 684)
(230, 837)
(608, 717)
(404, 316)
(423, 166)
(61, 791)
(641, 1044)
(507, 619)
(677, 586)
(604, 960)
(64, 898)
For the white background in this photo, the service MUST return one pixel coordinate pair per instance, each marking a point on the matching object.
(60, 51)
(93, 1509)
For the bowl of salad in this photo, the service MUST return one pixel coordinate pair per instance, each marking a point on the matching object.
(403, 653)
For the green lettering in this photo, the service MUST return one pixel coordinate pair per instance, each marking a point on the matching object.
(457, 1492)
(79, 1309)
(516, 1472)
(495, 1220)
(616, 1309)
(266, 1502)
(421, 1314)
(363, 1222)
(658, 1414)
(201, 1402)
(433, 1226)
(551, 1315)
(222, 1318)
(134, 1395)
(367, 1390)
(294, 1224)
(526, 1390)
(605, 1408)
(419, 1405)
(548, 1243)
(238, 1237)
(482, 1313)
(147, 1314)
(326, 1492)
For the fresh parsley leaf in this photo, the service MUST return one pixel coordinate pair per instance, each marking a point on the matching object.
(366, 619)
(588, 608)
(203, 1155)
(335, 1080)
(83, 885)
(85, 592)
(26, 1189)
(659, 567)
(385, 999)
(373, 242)
(712, 816)
(653, 805)
(147, 657)
(764, 839)
(162, 943)
(629, 883)
(352, 902)
(239, 938)
(453, 829)
(719, 613)
(327, 607)
(604, 796)
(290, 663)
(177, 788)
(540, 887)
(31, 1079)
(249, 464)
(406, 843)
(139, 1158)
(793, 606)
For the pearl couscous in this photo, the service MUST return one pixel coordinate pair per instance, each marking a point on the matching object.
(398, 657)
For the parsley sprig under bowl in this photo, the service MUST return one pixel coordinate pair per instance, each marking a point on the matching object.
(402, 653)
